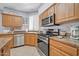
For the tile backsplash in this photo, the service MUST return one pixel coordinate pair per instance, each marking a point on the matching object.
(63, 27)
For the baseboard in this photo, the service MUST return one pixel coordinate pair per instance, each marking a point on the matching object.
(29, 45)
(18, 46)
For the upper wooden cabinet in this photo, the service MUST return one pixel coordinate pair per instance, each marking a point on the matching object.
(17, 21)
(45, 14)
(66, 12)
(11, 20)
(6, 20)
(48, 12)
(51, 10)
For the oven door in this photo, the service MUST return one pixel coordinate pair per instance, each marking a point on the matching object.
(43, 46)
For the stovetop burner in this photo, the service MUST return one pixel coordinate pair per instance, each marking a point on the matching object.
(45, 35)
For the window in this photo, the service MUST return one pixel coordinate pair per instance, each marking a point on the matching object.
(31, 22)
(25, 20)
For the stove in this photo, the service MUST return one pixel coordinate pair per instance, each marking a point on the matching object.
(43, 43)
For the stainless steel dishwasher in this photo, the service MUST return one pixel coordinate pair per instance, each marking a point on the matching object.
(18, 40)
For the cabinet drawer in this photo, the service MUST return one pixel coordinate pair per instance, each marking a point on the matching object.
(64, 47)
(56, 52)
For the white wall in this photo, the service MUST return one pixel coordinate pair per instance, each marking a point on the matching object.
(44, 7)
(1, 29)
(0, 20)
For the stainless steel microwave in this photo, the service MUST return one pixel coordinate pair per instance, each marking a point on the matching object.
(50, 20)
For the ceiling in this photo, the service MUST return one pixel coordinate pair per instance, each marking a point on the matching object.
(23, 7)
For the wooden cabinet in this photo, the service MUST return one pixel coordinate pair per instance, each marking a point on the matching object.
(17, 21)
(51, 10)
(6, 20)
(11, 43)
(30, 39)
(48, 12)
(66, 12)
(11, 20)
(45, 14)
(58, 48)
(0, 52)
(6, 50)
(40, 20)
(56, 52)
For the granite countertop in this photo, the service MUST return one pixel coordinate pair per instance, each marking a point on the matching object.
(67, 40)
(33, 32)
(1, 33)
(12, 33)
(4, 40)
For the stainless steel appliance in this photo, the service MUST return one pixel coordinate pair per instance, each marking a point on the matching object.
(18, 38)
(75, 32)
(48, 21)
(43, 40)
(43, 44)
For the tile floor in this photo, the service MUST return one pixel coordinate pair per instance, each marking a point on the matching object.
(24, 51)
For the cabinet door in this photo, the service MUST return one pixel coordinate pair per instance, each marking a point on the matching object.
(6, 20)
(64, 11)
(56, 52)
(26, 39)
(6, 50)
(45, 14)
(70, 10)
(51, 10)
(11, 43)
(33, 40)
(17, 21)
(30, 39)
(0, 52)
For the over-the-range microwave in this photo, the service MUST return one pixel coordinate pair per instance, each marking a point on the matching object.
(50, 20)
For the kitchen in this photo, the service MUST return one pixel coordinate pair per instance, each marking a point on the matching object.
(39, 29)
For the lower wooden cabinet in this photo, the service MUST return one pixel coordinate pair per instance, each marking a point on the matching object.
(30, 39)
(5, 50)
(56, 52)
(11, 43)
(0, 52)
(58, 48)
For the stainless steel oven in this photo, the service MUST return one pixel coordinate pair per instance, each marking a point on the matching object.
(43, 44)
